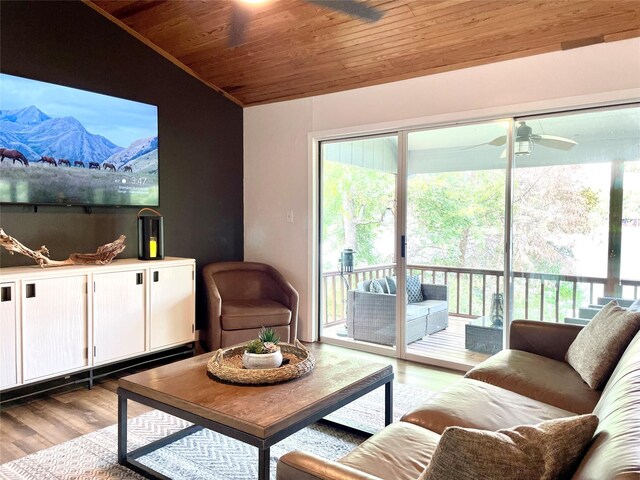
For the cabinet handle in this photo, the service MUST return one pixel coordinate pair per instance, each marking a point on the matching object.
(138, 279)
(5, 296)
(31, 290)
(156, 276)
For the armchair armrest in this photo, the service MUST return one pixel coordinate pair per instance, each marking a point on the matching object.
(212, 332)
(431, 291)
(305, 466)
(292, 299)
(549, 340)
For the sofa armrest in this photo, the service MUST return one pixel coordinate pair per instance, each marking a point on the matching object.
(360, 296)
(305, 466)
(431, 291)
(551, 340)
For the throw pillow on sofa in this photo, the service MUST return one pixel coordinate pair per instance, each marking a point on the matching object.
(414, 289)
(376, 287)
(598, 347)
(545, 451)
(391, 285)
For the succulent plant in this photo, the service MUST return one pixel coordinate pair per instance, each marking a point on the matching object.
(255, 346)
(267, 342)
(268, 335)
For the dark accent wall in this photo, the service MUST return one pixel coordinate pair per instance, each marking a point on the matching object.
(199, 133)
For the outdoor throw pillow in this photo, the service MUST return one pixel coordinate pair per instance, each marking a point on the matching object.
(545, 451)
(414, 289)
(391, 285)
(635, 306)
(598, 347)
(375, 287)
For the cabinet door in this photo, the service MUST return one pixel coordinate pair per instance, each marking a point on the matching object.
(172, 306)
(118, 315)
(8, 338)
(54, 326)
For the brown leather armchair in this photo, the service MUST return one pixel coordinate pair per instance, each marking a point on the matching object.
(243, 297)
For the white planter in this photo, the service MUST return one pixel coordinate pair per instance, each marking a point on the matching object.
(262, 360)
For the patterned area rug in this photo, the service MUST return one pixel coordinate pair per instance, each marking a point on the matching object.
(205, 454)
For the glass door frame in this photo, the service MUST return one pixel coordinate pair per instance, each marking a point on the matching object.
(402, 199)
(355, 345)
(400, 349)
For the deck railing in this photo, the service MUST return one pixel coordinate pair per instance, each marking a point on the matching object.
(541, 296)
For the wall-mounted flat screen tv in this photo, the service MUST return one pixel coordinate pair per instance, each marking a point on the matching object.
(64, 146)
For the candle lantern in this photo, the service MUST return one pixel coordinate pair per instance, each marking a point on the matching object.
(497, 309)
(150, 235)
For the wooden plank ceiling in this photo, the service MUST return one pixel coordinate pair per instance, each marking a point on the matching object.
(296, 49)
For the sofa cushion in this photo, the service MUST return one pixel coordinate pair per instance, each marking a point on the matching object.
(541, 378)
(416, 310)
(401, 451)
(435, 306)
(376, 287)
(546, 451)
(598, 347)
(474, 404)
(414, 289)
(364, 286)
(615, 451)
(243, 314)
(391, 285)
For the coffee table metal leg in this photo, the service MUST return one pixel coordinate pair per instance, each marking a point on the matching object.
(388, 403)
(122, 430)
(264, 459)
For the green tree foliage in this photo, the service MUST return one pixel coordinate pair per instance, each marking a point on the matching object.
(456, 219)
(354, 202)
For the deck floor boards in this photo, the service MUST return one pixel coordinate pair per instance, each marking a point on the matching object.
(446, 345)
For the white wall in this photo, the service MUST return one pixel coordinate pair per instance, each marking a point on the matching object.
(278, 155)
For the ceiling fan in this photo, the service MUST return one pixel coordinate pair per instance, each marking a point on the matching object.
(526, 139)
(241, 14)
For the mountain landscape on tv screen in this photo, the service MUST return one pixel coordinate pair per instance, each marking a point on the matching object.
(35, 134)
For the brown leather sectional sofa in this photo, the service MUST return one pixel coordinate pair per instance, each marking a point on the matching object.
(526, 384)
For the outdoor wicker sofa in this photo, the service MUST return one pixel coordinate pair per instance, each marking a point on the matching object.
(371, 316)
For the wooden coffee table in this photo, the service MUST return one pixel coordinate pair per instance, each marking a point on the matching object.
(257, 415)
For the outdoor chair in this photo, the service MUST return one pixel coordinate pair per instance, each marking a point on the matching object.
(371, 316)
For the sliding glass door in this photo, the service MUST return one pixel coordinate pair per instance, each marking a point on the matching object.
(576, 213)
(455, 240)
(358, 184)
(471, 226)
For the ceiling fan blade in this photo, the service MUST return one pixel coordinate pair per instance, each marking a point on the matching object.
(240, 16)
(350, 7)
(496, 142)
(552, 141)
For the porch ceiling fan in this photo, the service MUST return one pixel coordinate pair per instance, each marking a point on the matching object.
(241, 14)
(526, 139)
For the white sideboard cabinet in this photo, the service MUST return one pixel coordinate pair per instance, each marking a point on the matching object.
(119, 317)
(8, 336)
(54, 326)
(61, 320)
(170, 319)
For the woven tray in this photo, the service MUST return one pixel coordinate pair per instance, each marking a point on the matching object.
(226, 364)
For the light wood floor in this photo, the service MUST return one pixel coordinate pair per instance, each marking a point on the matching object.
(30, 426)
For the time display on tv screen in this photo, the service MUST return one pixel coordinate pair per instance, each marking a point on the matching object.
(64, 146)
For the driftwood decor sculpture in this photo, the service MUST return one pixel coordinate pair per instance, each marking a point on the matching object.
(103, 255)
